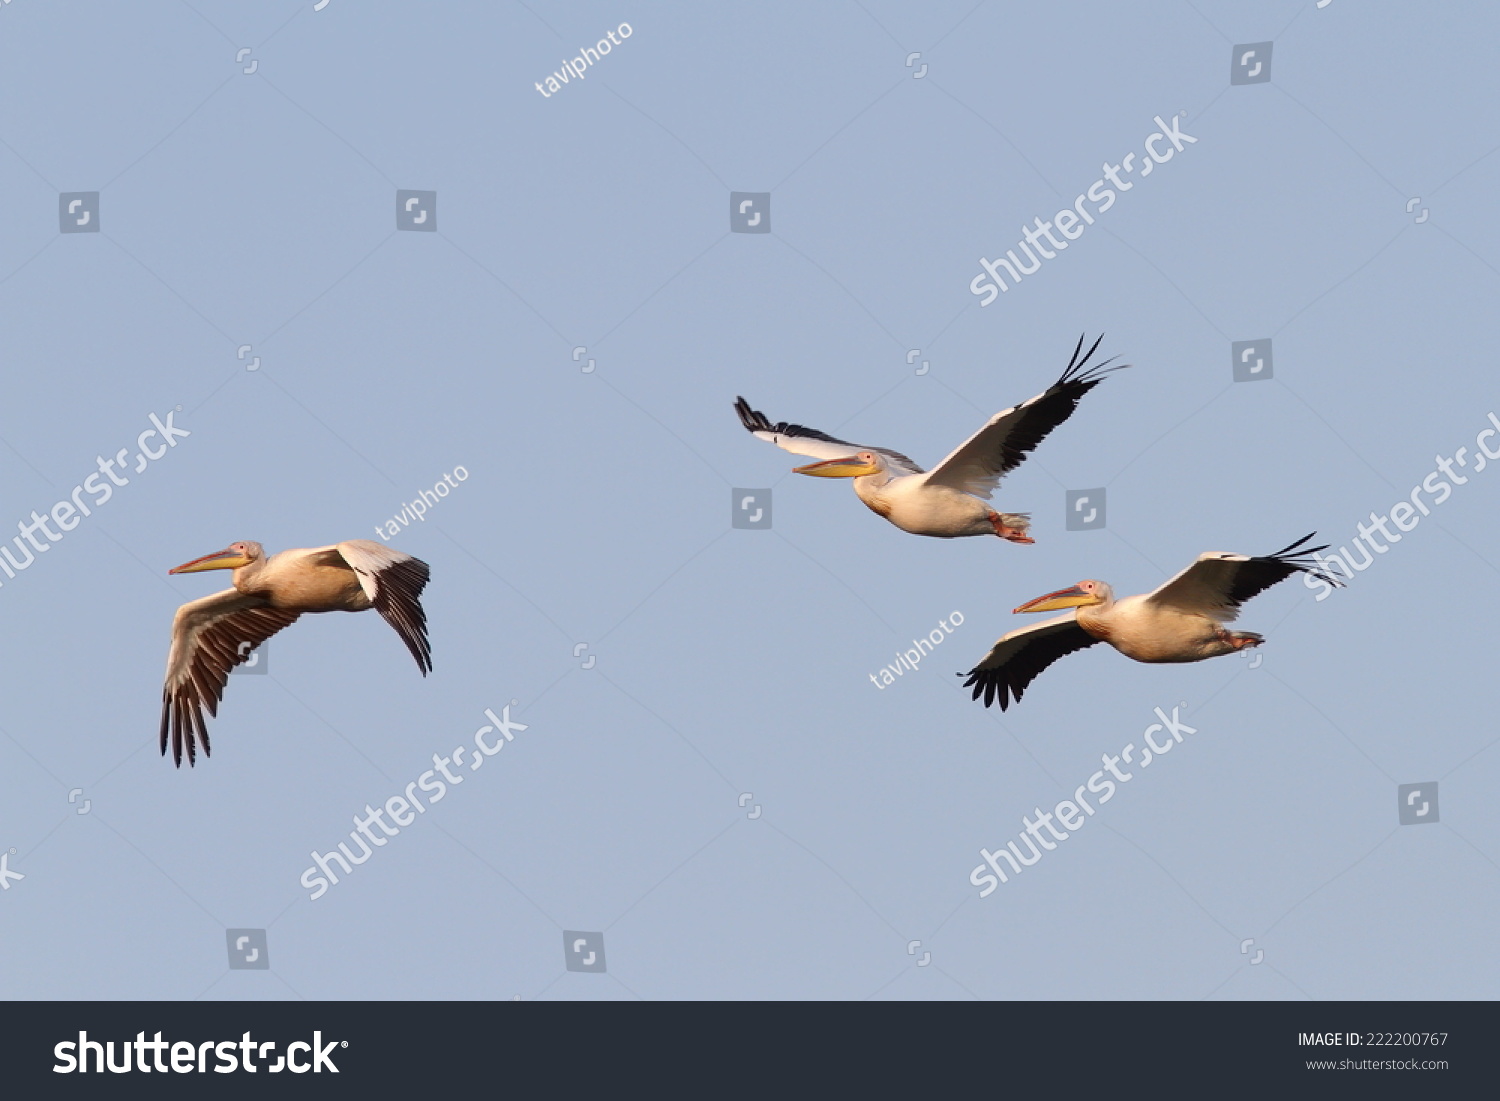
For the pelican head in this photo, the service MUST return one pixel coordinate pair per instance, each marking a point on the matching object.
(232, 557)
(1080, 595)
(855, 466)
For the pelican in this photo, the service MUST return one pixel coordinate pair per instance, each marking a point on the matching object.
(948, 501)
(1181, 621)
(212, 635)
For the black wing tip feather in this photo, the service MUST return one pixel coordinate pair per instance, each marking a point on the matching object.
(1079, 377)
(752, 419)
(406, 580)
(182, 718)
(756, 421)
(1038, 417)
(1302, 559)
(991, 683)
(1008, 679)
(166, 714)
(182, 708)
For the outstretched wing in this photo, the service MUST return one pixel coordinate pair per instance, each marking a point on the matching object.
(800, 440)
(209, 637)
(979, 463)
(1218, 583)
(393, 581)
(1018, 657)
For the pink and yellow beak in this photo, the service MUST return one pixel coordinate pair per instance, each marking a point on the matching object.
(219, 560)
(838, 468)
(1074, 597)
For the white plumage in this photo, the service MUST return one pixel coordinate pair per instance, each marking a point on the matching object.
(948, 501)
(1181, 620)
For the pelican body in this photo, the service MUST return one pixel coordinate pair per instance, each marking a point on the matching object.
(212, 635)
(922, 507)
(948, 502)
(1183, 620)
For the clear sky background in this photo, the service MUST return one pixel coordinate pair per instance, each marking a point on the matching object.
(708, 778)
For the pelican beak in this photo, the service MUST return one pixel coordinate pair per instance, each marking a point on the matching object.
(1063, 598)
(219, 560)
(838, 468)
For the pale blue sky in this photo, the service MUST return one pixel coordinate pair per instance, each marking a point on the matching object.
(259, 209)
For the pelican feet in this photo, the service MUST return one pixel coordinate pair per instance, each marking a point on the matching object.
(1005, 531)
(1242, 640)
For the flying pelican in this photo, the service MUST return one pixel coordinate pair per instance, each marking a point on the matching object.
(212, 635)
(946, 501)
(1181, 621)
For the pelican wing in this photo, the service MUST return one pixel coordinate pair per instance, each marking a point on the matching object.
(1018, 657)
(800, 440)
(979, 463)
(393, 581)
(1218, 583)
(209, 637)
